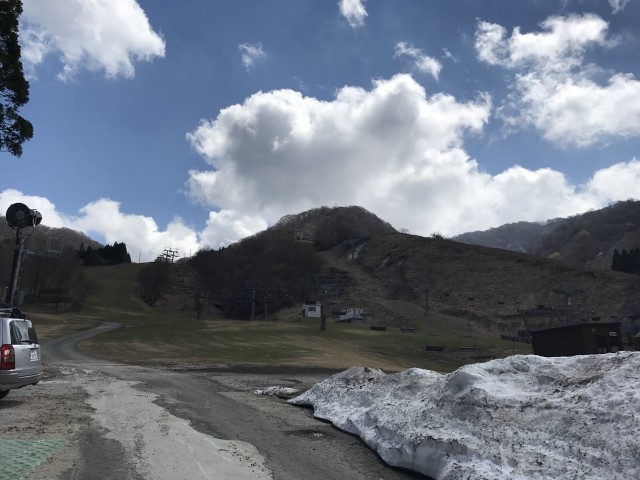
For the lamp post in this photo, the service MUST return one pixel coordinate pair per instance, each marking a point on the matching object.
(19, 216)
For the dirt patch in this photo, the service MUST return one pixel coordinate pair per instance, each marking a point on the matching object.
(54, 410)
(82, 423)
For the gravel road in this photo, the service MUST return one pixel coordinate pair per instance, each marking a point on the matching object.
(112, 421)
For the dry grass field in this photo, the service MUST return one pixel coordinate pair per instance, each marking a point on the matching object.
(169, 335)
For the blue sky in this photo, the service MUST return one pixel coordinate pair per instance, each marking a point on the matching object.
(191, 125)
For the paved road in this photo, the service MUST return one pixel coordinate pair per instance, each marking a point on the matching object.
(224, 405)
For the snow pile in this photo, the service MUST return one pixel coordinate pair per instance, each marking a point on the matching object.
(278, 391)
(523, 417)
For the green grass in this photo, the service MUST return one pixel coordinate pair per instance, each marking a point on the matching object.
(286, 343)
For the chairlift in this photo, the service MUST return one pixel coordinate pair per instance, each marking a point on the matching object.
(467, 343)
(434, 343)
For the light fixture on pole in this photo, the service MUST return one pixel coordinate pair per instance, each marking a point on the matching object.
(19, 216)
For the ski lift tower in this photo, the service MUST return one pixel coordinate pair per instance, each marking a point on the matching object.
(253, 286)
(19, 216)
(328, 286)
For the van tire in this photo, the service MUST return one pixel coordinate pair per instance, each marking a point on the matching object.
(4, 393)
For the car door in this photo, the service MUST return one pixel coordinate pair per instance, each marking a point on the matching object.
(26, 346)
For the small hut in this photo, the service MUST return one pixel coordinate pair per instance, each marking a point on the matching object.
(577, 339)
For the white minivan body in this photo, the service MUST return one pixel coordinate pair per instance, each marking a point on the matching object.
(20, 354)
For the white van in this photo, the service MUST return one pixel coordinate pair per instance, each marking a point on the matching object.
(20, 354)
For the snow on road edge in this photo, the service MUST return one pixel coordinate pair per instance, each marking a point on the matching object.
(523, 417)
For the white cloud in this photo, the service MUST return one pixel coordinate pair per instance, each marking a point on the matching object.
(251, 53)
(448, 55)
(392, 150)
(97, 35)
(618, 5)
(227, 227)
(559, 46)
(282, 152)
(617, 182)
(354, 12)
(421, 62)
(554, 89)
(104, 219)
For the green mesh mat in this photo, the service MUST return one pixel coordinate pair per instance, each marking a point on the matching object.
(17, 457)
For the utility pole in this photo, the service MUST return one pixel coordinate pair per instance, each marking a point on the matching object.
(426, 306)
(252, 286)
(253, 304)
(426, 300)
(15, 269)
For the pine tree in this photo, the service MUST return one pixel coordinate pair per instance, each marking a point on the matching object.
(14, 88)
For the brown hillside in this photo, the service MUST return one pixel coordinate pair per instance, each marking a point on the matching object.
(370, 266)
(485, 285)
(589, 239)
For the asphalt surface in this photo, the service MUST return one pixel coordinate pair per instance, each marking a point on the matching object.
(222, 403)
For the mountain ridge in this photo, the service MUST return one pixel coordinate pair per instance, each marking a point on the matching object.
(587, 239)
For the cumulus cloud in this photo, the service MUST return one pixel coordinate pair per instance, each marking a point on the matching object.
(617, 182)
(228, 226)
(391, 149)
(251, 53)
(281, 152)
(97, 35)
(104, 219)
(563, 39)
(354, 12)
(555, 90)
(421, 62)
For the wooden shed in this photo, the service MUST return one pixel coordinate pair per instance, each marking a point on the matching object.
(578, 339)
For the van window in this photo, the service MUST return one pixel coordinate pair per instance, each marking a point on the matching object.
(22, 332)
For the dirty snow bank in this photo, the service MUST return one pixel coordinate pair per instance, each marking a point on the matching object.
(523, 417)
